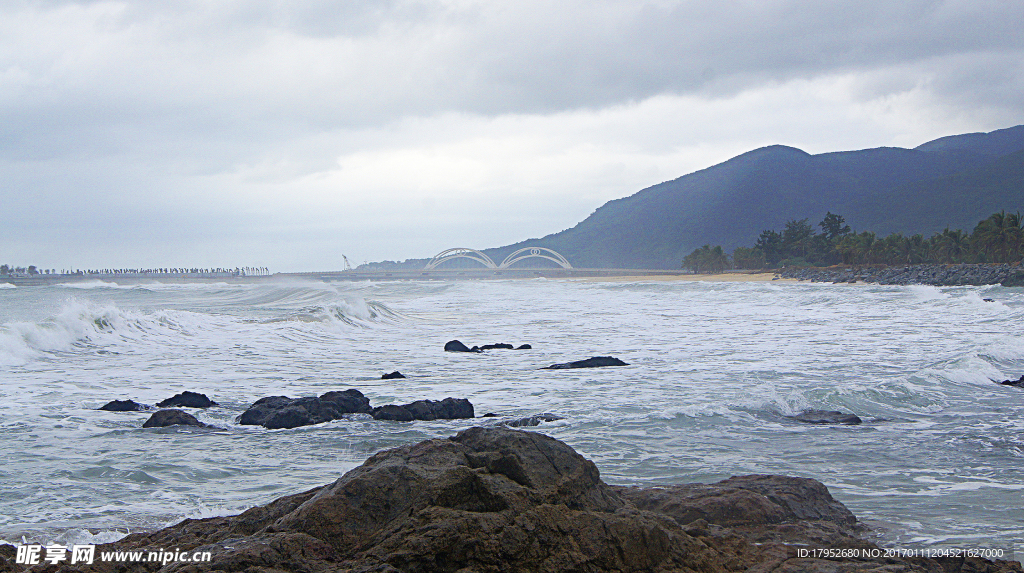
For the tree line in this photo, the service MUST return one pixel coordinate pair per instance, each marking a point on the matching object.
(997, 239)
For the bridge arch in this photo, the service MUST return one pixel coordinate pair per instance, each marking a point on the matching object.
(539, 252)
(460, 253)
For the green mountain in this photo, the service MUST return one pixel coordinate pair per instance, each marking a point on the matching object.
(950, 182)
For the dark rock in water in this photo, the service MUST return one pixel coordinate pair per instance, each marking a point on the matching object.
(825, 417)
(489, 415)
(595, 362)
(187, 400)
(498, 346)
(275, 412)
(532, 420)
(165, 418)
(456, 346)
(124, 406)
(524, 347)
(392, 412)
(989, 299)
(447, 409)
(1017, 383)
(499, 500)
(392, 376)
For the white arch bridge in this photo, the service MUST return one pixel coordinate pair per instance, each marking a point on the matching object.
(475, 255)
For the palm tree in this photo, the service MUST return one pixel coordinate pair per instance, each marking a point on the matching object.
(951, 246)
(999, 237)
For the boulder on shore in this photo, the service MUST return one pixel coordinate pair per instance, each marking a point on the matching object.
(187, 399)
(275, 412)
(392, 375)
(493, 500)
(825, 417)
(595, 362)
(124, 406)
(447, 409)
(164, 418)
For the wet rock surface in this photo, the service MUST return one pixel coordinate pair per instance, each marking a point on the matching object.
(447, 409)
(124, 406)
(826, 417)
(165, 418)
(276, 412)
(187, 399)
(1006, 274)
(595, 362)
(392, 375)
(532, 420)
(456, 346)
(495, 500)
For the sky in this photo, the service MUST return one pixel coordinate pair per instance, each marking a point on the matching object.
(225, 133)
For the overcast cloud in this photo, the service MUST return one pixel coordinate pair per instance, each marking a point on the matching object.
(229, 133)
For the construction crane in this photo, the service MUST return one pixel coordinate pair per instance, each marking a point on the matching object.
(348, 267)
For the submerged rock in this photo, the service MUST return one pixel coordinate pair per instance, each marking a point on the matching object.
(275, 412)
(532, 420)
(498, 346)
(496, 500)
(124, 406)
(524, 347)
(825, 417)
(456, 346)
(1018, 383)
(187, 399)
(165, 418)
(595, 362)
(447, 409)
(392, 375)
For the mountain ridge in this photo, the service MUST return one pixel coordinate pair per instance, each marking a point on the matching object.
(882, 189)
(953, 181)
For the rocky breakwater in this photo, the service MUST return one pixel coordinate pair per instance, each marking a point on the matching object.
(500, 500)
(937, 275)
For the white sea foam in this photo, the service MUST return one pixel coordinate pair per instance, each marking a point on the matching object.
(712, 369)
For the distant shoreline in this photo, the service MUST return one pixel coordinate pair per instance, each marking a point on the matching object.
(613, 275)
(928, 274)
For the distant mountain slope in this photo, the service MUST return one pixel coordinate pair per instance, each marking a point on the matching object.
(953, 181)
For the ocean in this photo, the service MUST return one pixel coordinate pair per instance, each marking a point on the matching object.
(714, 369)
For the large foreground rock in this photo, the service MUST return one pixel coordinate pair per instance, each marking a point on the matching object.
(492, 500)
(276, 412)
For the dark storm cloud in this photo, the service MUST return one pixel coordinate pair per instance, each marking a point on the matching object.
(95, 75)
(235, 108)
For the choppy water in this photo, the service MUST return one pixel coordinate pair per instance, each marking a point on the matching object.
(714, 367)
